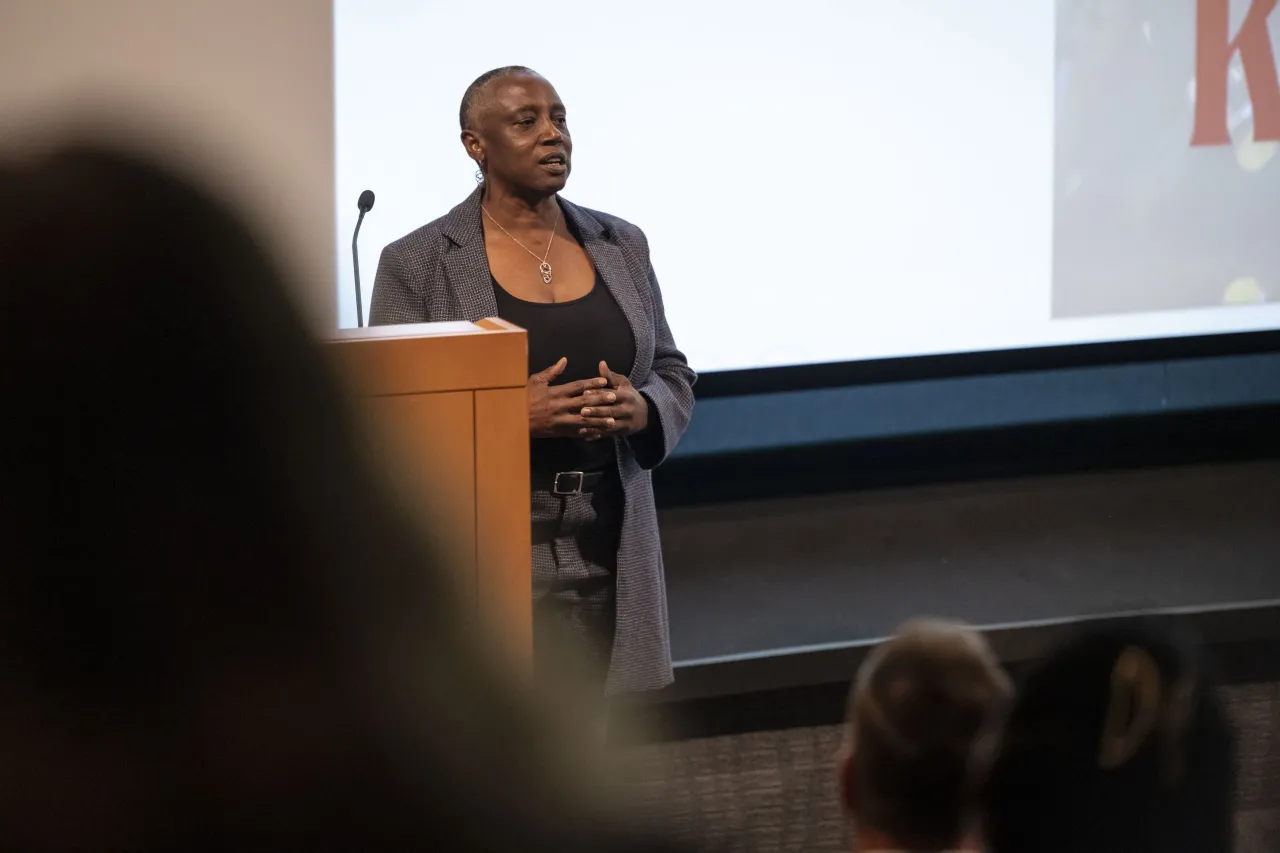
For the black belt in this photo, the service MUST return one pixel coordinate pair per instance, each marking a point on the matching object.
(569, 482)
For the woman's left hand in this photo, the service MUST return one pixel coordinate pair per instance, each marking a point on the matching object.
(628, 415)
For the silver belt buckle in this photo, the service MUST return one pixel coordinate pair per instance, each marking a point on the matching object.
(557, 489)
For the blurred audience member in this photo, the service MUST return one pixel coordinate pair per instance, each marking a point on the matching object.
(921, 706)
(1115, 743)
(217, 632)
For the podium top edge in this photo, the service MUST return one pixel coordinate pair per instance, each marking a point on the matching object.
(424, 330)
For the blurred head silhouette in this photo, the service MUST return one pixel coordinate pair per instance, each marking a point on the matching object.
(1115, 743)
(920, 708)
(216, 629)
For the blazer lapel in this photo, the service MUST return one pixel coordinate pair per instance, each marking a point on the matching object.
(466, 270)
(611, 262)
(466, 267)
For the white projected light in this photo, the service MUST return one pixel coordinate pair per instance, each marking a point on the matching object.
(832, 181)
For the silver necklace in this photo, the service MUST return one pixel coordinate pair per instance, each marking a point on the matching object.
(543, 266)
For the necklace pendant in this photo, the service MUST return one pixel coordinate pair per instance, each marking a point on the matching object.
(545, 269)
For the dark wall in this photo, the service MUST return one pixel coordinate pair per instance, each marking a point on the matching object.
(779, 562)
(1236, 433)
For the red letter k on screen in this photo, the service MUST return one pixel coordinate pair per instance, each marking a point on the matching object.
(1214, 50)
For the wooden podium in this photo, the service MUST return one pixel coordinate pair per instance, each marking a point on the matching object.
(449, 403)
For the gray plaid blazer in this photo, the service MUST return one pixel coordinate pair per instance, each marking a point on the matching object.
(441, 272)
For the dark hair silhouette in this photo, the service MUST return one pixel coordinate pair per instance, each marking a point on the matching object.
(217, 631)
(1117, 742)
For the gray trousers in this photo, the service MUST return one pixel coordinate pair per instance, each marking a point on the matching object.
(575, 572)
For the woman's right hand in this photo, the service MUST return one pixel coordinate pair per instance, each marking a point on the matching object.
(555, 410)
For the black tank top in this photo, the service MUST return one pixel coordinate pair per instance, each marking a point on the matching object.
(585, 331)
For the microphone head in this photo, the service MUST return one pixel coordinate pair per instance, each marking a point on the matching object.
(366, 201)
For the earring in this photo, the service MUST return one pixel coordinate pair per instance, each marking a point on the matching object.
(480, 175)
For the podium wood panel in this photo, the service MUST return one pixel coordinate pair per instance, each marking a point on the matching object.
(434, 440)
(503, 504)
(448, 403)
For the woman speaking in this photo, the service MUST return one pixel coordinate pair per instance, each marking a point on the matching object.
(609, 392)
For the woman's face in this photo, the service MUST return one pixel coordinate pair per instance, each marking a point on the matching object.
(523, 137)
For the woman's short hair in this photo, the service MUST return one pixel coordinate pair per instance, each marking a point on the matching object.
(472, 98)
(1117, 742)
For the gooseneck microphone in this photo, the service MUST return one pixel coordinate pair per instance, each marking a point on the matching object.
(365, 204)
